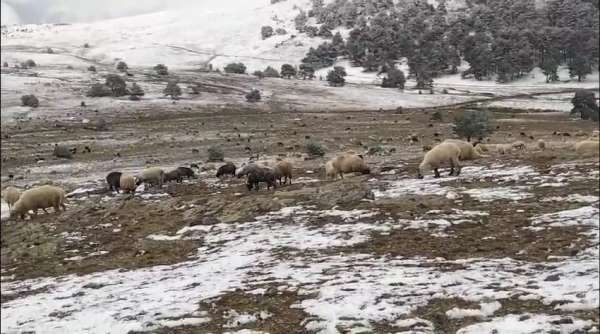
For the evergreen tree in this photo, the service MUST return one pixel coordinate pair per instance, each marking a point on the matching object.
(336, 76)
(306, 72)
(550, 64)
(136, 90)
(580, 67)
(288, 71)
(270, 72)
(395, 79)
(116, 84)
(584, 104)
(172, 90)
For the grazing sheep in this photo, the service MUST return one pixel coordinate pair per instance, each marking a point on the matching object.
(247, 169)
(173, 175)
(519, 145)
(349, 163)
(61, 151)
(128, 183)
(467, 150)
(261, 174)
(541, 144)
(446, 152)
(227, 169)
(588, 148)
(283, 169)
(153, 175)
(504, 148)
(330, 172)
(186, 172)
(113, 180)
(41, 197)
(11, 195)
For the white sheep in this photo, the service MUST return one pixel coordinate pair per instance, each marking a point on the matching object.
(153, 175)
(11, 195)
(443, 153)
(128, 183)
(587, 147)
(41, 197)
(467, 150)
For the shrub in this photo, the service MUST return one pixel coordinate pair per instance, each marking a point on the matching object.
(306, 72)
(436, 116)
(98, 90)
(336, 77)
(5, 64)
(194, 90)
(28, 63)
(134, 98)
(270, 72)
(395, 79)
(215, 154)
(266, 32)
(86, 45)
(172, 90)
(161, 69)
(92, 68)
(288, 71)
(122, 66)
(276, 1)
(49, 50)
(584, 104)
(238, 68)
(69, 67)
(116, 84)
(311, 31)
(315, 149)
(472, 123)
(258, 74)
(280, 31)
(253, 96)
(136, 90)
(30, 101)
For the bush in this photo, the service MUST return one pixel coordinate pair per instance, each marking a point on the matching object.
(134, 98)
(311, 31)
(253, 96)
(122, 66)
(315, 149)
(194, 90)
(98, 90)
(238, 68)
(136, 90)
(116, 84)
(161, 69)
(306, 72)
(86, 45)
(172, 90)
(276, 1)
(473, 123)
(266, 32)
(28, 63)
(584, 104)
(69, 67)
(270, 72)
(92, 68)
(49, 50)
(280, 31)
(30, 101)
(258, 74)
(215, 154)
(288, 71)
(436, 116)
(336, 77)
(395, 79)
(5, 64)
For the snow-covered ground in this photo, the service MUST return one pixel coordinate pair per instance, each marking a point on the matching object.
(338, 290)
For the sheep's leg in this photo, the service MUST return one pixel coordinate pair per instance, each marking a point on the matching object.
(63, 206)
(451, 167)
(342, 175)
(456, 163)
(436, 172)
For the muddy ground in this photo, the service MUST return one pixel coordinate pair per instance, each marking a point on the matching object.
(102, 230)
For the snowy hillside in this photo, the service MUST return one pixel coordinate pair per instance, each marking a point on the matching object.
(219, 31)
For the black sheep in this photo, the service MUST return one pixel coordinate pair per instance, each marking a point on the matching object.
(113, 179)
(186, 172)
(260, 175)
(173, 175)
(228, 168)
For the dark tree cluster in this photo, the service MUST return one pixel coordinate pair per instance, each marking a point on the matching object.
(504, 39)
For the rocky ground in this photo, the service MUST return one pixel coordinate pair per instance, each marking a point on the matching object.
(510, 244)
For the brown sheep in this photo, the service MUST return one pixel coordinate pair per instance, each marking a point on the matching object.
(41, 197)
(441, 154)
(128, 183)
(349, 163)
(283, 169)
(11, 195)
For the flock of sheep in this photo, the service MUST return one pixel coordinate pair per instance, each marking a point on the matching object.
(450, 152)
